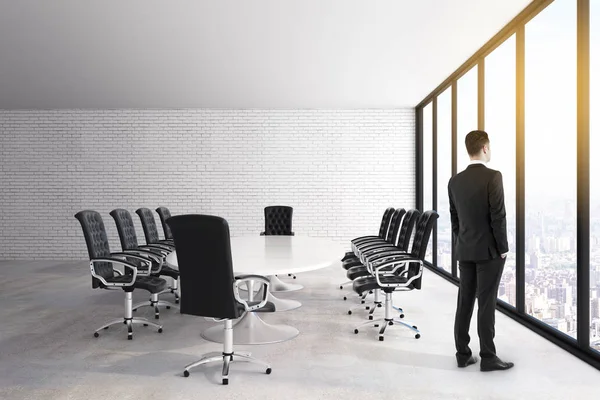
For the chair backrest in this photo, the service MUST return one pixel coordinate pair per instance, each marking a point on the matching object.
(385, 222)
(395, 223)
(420, 241)
(278, 220)
(408, 224)
(97, 243)
(125, 228)
(205, 266)
(148, 225)
(164, 214)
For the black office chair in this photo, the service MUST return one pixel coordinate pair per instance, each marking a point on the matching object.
(208, 286)
(151, 231)
(397, 271)
(129, 243)
(383, 228)
(401, 243)
(278, 221)
(104, 276)
(164, 214)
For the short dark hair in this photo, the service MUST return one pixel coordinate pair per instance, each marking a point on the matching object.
(475, 140)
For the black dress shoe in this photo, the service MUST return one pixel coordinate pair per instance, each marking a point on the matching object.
(462, 364)
(495, 365)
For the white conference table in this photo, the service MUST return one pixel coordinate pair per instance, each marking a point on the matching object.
(271, 255)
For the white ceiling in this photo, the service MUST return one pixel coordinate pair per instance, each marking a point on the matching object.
(237, 53)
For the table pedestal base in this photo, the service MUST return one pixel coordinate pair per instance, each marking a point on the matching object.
(251, 329)
(283, 304)
(277, 285)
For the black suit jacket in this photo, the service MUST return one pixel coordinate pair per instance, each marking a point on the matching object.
(478, 214)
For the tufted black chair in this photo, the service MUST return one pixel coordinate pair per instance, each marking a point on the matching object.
(164, 214)
(401, 244)
(151, 231)
(129, 243)
(383, 228)
(208, 286)
(278, 221)
(397, 271)
(136, 272)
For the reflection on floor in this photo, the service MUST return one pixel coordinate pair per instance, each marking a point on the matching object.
(47, 350)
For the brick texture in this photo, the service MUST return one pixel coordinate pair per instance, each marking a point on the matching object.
(339, 169)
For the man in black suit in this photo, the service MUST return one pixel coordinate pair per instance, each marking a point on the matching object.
(479, 229)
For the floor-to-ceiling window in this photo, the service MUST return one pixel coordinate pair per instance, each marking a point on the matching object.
(444, 173)
(466, 115)
(550, 166)
(500, 124)
(534, 110)
(428, 167)
(595, 175)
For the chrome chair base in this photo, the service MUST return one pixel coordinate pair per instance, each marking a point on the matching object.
(227, 357)
(388, 320)
(154, 302)
(128, 320)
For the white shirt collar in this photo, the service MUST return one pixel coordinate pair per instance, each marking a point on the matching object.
(477, 162)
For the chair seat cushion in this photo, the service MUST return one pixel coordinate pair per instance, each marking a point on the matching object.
(269, 307)
(357, 272)
(152, 284)
(361, 285)
(351, 262)
(168, 271)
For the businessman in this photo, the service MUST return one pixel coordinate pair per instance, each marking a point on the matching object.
(479, 229)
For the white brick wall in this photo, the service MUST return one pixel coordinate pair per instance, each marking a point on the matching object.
(338, 168)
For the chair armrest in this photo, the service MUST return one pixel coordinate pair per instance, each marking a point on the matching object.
(245, 278)
(161, 246)
(115, 261)
(144, 271)
(156, 250)
(157, 258)
(404, 263)
(373, 258)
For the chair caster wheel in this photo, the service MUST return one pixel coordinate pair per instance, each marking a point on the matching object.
(177, 301)
(294, 276)
(96, 334)
(168, 307)
(341, 287)
(106, 327)
(129, 337)
(345, 298)
(124, 322)
(381, 338)
(370, 292)
(268, 371)
(379, 305)
(156, 317)
(225, 381)
(415, 327)
(401, 315)
(135, 310)
(367, 308)
(362, 302)
(376, 326)
(159, 330)
(370, 317)
(356, 331)
(417, 336)
(349, 312)
(186, 373)
(390, 323)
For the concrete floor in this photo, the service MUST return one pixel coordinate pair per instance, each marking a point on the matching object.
(47, 350)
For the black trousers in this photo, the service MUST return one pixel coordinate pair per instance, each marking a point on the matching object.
(477, 279)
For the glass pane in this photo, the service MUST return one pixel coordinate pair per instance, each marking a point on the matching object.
(500, 123)
(428, 167)
(466, 115)
(550, 166)
(595, 175)
(444, 173)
